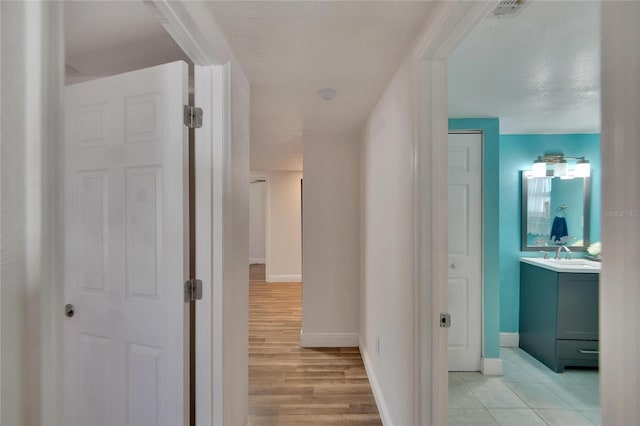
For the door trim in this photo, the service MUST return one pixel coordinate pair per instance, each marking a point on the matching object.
(194, 29)
(211, 171)
(445, 30)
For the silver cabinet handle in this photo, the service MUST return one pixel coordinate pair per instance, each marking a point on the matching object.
(588, 351)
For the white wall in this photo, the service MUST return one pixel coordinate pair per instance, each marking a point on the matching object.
(284, 231)
(331, 245)
(619, 287)
(14, 296)
(387, 249)
(235, 315)
(30, 276)
(257, 221)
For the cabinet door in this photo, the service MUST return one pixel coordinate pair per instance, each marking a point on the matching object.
(578, 306)
(538, 312)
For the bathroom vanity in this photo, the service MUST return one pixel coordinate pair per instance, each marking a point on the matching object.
(559, 311)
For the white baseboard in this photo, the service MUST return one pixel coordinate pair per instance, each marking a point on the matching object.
(259, 260)
(509, 340)
(375, 386)
(284, 278)
(491, 366)
(328, 340)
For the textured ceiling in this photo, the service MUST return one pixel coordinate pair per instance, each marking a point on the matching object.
(289, 50)
(110, 37)
(538, 72)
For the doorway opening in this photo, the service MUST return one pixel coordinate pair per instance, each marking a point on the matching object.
(521, 129)
(275, 226)
(258, 220)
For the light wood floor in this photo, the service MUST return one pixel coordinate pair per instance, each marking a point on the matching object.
(289, 385)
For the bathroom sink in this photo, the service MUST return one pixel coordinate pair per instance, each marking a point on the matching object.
(565, 265)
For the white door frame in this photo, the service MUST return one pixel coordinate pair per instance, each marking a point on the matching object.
(267, 227)
(211, 171)
(194, 29)
(447, 27)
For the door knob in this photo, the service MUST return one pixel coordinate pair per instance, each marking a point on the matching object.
(69, 310)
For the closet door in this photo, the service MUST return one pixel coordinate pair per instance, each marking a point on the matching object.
(465, 251)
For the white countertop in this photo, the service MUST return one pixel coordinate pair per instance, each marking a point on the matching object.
(581, 266)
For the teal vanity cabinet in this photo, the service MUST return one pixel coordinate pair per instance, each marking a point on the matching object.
(559, 316)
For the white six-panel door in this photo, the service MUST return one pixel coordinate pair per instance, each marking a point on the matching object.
(465, 251)
(126, 248)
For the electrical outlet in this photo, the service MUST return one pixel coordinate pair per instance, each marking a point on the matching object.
(377, 345)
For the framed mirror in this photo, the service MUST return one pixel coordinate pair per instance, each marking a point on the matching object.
(555, 212)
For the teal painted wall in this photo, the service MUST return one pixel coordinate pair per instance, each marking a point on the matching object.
(516, 153)
(490, 224)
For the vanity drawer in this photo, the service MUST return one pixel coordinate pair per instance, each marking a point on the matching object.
(577, 349)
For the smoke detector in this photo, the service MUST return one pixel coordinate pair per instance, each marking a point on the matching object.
(509, 9)
(328, 93)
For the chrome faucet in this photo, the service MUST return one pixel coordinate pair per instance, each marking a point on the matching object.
(568, 256)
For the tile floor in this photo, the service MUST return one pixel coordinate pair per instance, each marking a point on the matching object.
(529, 393)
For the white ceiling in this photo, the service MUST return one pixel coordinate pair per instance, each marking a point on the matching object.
(289, 50)
(110, 37)
(538, 72)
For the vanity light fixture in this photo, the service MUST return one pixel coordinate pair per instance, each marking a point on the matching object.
(560, 167)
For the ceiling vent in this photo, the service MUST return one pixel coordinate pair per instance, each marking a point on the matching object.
(509, 9)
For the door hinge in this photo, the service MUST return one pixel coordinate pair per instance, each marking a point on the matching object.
(445, 320)
(192, 290)
(192, 117)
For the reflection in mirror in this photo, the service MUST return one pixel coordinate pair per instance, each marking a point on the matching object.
(555, 212)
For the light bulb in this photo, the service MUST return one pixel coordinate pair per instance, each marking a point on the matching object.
(539, 168)
(561, 168)
(583, 168)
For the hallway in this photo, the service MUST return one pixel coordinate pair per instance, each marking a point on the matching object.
(290, 385)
